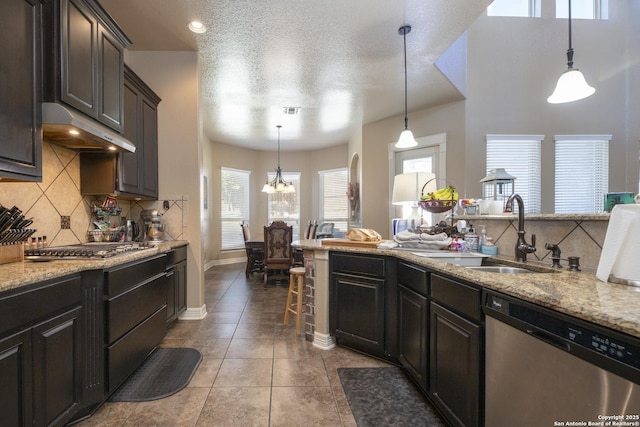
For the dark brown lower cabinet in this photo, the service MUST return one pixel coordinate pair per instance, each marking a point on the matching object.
(136, 316)
(413, 315)
(455, 366)
(16, 403)
(177, 283)
(57, 362)
(40, 354)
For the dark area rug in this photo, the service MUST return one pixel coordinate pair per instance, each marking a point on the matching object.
(386, 397)
(165, 372)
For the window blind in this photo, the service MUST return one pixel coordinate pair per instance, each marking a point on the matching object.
(234, 206)
(334, 205)
(519, 155)
(582, 173)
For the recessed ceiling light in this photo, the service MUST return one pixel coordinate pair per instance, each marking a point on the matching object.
(197, 27)
(74, 132)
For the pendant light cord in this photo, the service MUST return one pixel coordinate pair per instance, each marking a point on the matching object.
(279, 126)
(405, 30)
(570, 50)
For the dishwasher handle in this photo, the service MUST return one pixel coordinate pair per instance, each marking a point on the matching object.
(549, 339)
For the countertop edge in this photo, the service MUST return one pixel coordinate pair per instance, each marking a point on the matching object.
(20, 274)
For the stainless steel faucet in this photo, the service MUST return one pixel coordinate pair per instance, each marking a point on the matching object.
(522, 247)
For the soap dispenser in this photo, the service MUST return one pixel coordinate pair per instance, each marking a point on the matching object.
(483, 238)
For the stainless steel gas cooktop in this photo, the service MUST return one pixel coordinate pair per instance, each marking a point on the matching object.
(95, 250)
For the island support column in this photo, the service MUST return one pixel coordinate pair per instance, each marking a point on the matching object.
(318, 280)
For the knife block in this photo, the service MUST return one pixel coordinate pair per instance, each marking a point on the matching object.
(11, 253)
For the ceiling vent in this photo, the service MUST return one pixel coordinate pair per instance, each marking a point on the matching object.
(292, 111)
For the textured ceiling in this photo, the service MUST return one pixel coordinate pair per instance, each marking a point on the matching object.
(341, 62)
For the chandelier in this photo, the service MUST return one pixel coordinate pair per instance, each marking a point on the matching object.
(278, 184)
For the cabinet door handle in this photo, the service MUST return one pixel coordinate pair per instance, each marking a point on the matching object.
(170, 273)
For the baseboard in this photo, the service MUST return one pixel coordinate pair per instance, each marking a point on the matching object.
(216, 262)
(194, 313)
(323, 341)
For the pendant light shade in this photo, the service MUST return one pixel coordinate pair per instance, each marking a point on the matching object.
(278, 184)
(571, 85)
(406, 139)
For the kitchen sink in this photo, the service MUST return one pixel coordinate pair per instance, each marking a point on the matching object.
(512, 269)
(501, 269)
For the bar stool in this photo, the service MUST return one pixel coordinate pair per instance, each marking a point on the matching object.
(296, 287)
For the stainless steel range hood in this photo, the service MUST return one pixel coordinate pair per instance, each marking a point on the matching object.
(58, 121)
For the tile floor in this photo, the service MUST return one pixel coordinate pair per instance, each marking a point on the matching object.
(254, 372)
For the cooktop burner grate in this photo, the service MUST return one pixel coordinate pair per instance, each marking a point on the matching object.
(85, 251)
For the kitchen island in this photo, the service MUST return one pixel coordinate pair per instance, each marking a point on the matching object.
(579, 294)
(437, 319)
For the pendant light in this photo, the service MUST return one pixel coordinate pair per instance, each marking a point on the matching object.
(571, 85)
(278, 184)
(406, 139)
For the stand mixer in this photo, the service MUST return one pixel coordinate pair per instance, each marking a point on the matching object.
(152, 225)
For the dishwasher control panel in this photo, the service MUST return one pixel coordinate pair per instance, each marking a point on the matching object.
(557, 326)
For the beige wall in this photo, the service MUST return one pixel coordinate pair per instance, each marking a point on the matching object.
(174, 77)
(376, 194)
(308, 163)
(514, 65)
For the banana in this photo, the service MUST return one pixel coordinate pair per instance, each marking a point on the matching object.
(447, 192)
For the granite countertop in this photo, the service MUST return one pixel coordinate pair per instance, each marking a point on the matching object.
(578, 294)
(19, 274)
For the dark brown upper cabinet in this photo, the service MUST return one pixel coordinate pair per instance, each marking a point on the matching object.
(128, 175)
(139, 170)
(20, 93)
(85, 60)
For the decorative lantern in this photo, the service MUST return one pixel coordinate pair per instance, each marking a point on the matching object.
(498, 185)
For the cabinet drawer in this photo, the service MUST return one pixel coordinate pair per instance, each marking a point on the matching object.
(456, 296)
(26, 307)
(121, 279)
(371, 266)
(129, 309)
(413, 277)
(176, 255)
(128, 353)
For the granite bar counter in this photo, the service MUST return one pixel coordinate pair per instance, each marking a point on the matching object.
(578, 294)
(20, 274)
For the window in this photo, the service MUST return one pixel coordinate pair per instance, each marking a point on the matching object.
(286, 206)
(334, 206)
(583, 9)
(521, 8)
(519, 155)
(234, 206)
(582, 177)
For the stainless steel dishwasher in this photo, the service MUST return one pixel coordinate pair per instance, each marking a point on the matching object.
(543, 368)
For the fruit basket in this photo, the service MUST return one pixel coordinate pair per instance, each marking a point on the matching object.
(438, 205)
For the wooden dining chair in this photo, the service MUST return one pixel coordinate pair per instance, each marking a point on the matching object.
(254, 251)
(278, 253)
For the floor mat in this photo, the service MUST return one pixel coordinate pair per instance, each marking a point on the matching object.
(165, 372)
(386, 397)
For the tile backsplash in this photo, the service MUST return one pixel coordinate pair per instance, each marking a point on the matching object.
(62, 214)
